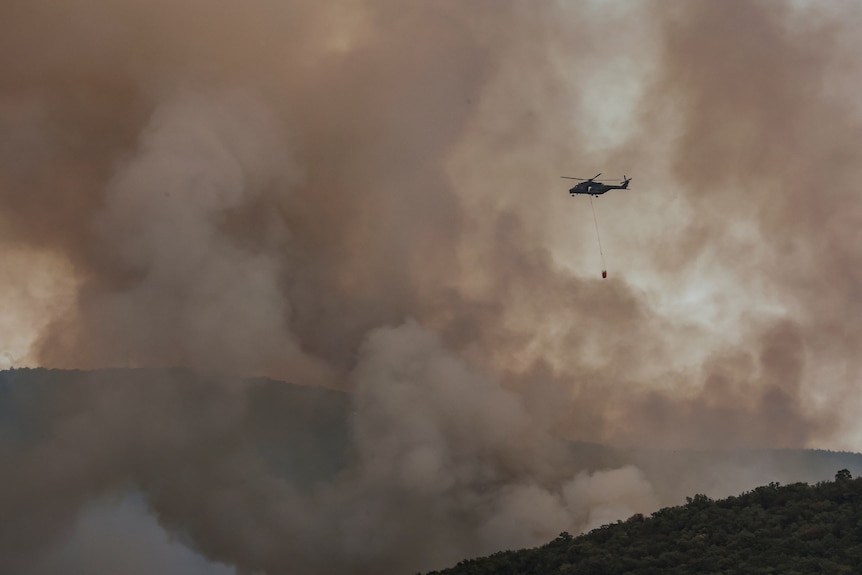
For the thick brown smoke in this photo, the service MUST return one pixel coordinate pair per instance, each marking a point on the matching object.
(365, 194)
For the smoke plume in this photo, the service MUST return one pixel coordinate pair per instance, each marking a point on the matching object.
(365, 195)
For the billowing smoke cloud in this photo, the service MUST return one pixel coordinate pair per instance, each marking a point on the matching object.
(194, 296)
(446, 464)
(274, 188)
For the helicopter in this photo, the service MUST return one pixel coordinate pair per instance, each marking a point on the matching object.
(593, 188)
(590, 187)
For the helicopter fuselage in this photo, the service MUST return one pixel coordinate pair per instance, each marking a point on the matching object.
(596, 188)
(593, 190)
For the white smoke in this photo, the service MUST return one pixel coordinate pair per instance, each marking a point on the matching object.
(447, 464)
(451, 464)
(197, 294)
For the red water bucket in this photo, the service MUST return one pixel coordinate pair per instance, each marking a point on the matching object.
(604, 274)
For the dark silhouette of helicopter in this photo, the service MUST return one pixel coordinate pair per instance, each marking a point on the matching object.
(593, 188)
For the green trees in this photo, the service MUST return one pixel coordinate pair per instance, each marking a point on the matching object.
(842, 475)
(791, 529)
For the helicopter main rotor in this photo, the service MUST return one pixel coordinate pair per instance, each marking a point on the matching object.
(582, 179)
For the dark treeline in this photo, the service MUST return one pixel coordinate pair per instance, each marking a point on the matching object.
(787, 529)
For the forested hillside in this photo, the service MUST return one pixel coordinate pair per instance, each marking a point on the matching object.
(139, 428)
(791, 529)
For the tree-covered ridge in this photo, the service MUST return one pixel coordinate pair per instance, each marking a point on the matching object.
(788, 530)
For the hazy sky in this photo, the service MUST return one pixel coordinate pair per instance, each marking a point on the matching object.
(257, 188)
(359, 192)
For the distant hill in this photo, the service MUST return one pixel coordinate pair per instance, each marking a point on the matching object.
(304, 433)
(719, 473)
(792, 530)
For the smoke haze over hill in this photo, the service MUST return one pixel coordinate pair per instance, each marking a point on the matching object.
(365, 195)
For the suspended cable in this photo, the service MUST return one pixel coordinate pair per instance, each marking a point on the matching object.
(599, 239)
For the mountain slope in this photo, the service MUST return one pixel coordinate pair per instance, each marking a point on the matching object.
(305, 433)
(191, 442)
(792, 529)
